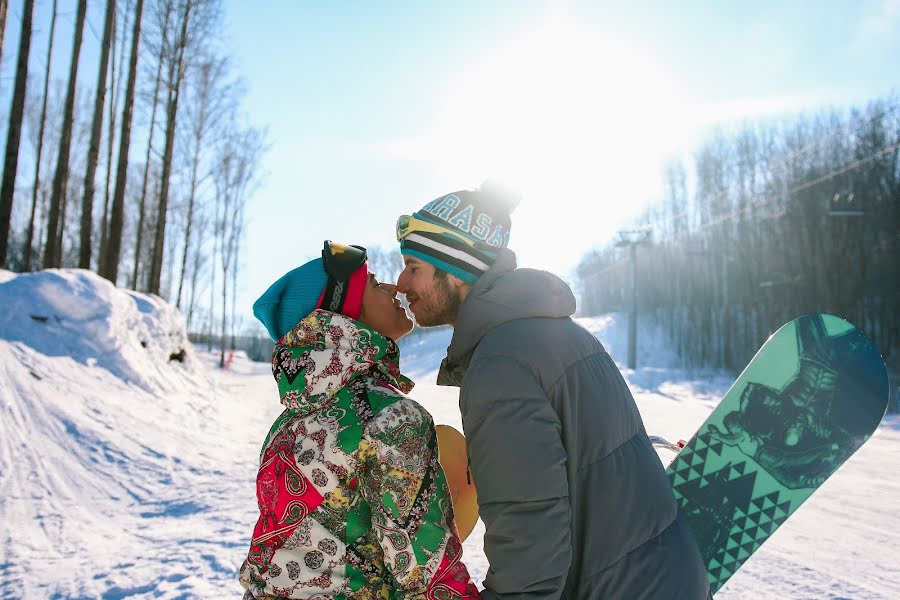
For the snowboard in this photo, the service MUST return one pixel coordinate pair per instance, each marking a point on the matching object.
(812, 395)
(455, 462)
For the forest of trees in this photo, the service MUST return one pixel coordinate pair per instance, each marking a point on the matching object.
(137, 166)
(770, 221)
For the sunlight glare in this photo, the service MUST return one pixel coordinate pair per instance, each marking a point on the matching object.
(578, 121)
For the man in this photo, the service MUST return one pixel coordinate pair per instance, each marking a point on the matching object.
(574, 498)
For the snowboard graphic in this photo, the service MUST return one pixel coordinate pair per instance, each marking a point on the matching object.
(811, 396)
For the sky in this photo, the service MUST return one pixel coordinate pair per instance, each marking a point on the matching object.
(375, 108)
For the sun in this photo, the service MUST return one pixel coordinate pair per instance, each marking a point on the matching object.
(576, 119)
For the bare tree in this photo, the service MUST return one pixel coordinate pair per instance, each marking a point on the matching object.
(116, 88)
(174, 78)
(196, 19)
(110, 260)
(14, 132)
(29, 238)
(235, 173)
(49, 142)
(55, 225)
(4, 5)
(208, 97)
(238, 236)
(167, 11)
(87, 201)
(198, 262)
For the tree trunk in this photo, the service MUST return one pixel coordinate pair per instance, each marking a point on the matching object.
(198, 259)
(110, 141)
(4, 5)
(176, 76)
(87, 202)
(110, 269)
(14, 133)
(208, 73)
(115, 86)
(53, 250)
(29, 240)
(238, 232)
(223, 183)
(217, 227)
(224, 318)
(141, 209)
(187, 228)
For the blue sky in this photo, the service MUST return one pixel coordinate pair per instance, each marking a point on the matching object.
(375, 108)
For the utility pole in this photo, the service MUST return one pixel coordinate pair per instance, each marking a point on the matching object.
(633, 239)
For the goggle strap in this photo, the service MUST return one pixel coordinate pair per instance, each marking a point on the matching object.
(334, 296)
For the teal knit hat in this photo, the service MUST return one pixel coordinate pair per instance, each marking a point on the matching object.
(291, 298)
(460, 233)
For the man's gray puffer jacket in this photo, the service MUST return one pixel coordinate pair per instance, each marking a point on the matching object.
(574, 498)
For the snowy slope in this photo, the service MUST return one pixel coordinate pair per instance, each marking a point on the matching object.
(125, 474)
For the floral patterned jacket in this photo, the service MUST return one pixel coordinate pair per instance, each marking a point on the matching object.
(352, 499)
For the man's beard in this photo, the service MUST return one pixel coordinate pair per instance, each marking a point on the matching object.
(441, 308)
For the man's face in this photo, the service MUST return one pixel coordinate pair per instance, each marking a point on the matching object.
(432, 298)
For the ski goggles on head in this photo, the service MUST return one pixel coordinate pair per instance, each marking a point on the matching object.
(407, 224)
(340, 262)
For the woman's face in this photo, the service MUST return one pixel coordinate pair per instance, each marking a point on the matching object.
(382, 311)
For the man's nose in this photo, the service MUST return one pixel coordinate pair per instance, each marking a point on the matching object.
(402, 282)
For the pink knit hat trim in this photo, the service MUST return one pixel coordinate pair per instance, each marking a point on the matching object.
(356, 288)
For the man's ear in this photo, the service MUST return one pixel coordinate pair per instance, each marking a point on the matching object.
(455, 281)
(461, 287)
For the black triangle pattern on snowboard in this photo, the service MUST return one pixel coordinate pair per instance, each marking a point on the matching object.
(728, 520)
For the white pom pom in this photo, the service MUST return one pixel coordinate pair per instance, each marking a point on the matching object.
(503, 196)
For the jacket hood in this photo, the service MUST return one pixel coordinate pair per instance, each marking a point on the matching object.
(325, 353)
(503, 294)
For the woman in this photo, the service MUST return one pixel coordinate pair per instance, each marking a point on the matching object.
(353, 502)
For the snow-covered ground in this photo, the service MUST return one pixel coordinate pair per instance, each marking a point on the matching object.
(127, 462)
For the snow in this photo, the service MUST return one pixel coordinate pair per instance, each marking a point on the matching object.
(126, 474)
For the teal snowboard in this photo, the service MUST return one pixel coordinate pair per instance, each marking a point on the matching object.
(811, 396)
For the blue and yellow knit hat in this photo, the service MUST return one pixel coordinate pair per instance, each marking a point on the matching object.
(461, 232)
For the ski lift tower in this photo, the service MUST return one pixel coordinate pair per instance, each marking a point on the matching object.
(632, 239)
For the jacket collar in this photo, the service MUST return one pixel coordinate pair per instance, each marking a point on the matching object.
(504, 293)
(324, 353)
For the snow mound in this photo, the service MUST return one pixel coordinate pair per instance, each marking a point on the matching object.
(125, 472)
(138, 338)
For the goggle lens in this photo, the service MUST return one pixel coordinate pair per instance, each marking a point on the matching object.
(403, 226)
(341, 260)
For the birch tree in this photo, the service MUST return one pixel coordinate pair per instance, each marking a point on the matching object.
(208, 98)
(162, 19)
(87, 201)
(110, 259)
(29, 237)
(14, 132)
(55, 224)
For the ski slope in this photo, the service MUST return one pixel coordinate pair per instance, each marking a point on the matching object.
(126, 473)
